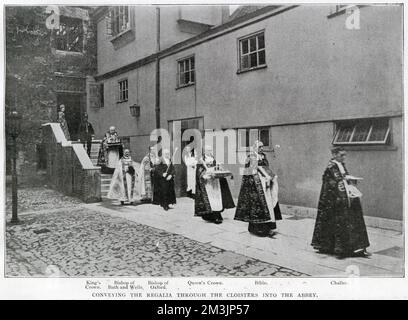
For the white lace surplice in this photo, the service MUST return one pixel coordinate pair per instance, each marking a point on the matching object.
(113, 158)
(271, 195)
(191, 163)
(213, 188)
(117, 187)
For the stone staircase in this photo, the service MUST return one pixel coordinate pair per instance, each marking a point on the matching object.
(105, 183)
(69, 169)
(105, 178)
(95, 152)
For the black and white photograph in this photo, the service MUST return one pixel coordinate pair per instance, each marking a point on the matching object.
(202, 142)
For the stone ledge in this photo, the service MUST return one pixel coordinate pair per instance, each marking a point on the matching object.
(373, 222)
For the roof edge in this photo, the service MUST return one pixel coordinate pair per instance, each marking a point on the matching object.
(198, 39)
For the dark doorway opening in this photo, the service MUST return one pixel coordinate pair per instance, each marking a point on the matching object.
(181, 169)
(73, 111)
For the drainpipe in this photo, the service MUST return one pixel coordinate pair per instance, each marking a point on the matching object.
(157, 108)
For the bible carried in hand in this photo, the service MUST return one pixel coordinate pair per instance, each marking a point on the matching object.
(352, 178)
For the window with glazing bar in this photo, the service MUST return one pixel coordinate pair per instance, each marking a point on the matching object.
(247, 136)
(123, 90)
(366, 131)
(119, 19)
(186, 72)
(252, 52)
(69, 35)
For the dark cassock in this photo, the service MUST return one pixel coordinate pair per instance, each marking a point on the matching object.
(212, 192)
(340, 228)
(163, 189)
(63, 122)
(85, 134)
(110, 152)
(258, 198)
(146, 177)
(125, 180)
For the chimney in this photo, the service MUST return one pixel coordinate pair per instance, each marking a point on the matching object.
(225, 14)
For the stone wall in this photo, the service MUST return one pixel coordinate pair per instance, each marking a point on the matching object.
(66, 171)
(35, 71)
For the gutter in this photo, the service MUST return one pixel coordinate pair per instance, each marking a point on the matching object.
(203, 37)
(157, 107)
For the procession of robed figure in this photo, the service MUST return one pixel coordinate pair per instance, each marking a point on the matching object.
(339, 228)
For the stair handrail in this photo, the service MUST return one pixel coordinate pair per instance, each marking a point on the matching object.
(79, 150)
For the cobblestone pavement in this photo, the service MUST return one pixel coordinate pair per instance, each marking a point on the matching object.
(82, 242)
(40, 198)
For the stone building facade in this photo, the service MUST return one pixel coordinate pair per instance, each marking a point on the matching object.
(303, 78)
(49, 53)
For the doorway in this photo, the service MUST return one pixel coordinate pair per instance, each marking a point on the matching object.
(73, 111)
(181, 169)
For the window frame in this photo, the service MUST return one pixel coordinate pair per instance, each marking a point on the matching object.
(190, 71)
(354, 123)
(113, 14)
(101, 90)
(340, 9)
(119, 92)
(240, 41)
(80, 25)
(126, 142)
(248, 133)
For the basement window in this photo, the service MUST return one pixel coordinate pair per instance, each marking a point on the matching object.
(358, 132)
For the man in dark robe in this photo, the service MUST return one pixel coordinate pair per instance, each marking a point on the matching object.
(339, 227)
(163, 182)
(85, 133)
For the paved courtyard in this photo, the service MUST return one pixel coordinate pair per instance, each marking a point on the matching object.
(62, 235)
(79, 241)
(34, 199)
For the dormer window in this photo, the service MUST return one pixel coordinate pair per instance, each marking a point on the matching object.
(70, 35)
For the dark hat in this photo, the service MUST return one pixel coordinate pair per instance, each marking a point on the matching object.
(336, 149)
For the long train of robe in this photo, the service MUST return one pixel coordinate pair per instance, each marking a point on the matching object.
(339, 226)
(125, 186)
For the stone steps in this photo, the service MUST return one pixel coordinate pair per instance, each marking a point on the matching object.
(105, 178)
(105, 183)
(94, 153)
